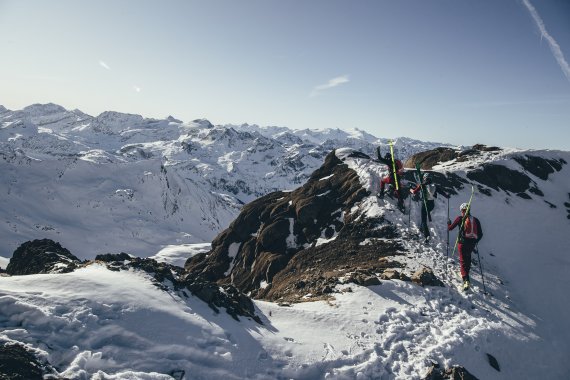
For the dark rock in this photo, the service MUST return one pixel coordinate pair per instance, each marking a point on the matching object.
(393, 274)
(226, 296)
(41, 256)
(485, 148)
(539, 166)
(537, 191)
(430, 158)
(273, 230)
(177, 374)
(109, 257)
(550, 204)
(524, 195)
(364, 278)
(498, 177)
(493, 362)
(17, 363)
(425, 277)
(435, 372)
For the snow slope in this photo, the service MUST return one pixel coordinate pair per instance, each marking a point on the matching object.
(96, 323)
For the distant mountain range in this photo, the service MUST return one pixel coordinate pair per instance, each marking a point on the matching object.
(124, 182)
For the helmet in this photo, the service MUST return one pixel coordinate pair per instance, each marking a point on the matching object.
(464, 206)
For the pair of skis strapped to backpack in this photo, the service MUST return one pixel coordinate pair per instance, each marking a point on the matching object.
(423, 190)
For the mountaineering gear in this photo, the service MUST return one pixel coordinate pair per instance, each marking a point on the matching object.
(427, 192)
(447, 247)
(461, 227)
(470, 232)
(465, 285)
(394, 165)
(395, 169)
(470, 228)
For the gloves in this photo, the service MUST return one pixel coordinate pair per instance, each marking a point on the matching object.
(448, 222)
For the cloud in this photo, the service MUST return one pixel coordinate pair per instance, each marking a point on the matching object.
(104, 65)
(330, 84)
(554, 47)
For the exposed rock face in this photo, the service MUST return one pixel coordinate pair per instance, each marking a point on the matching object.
(497, 176)
(453, 373)
(17, 363)
(271, 249)
(431, 158)
(489, 175)
(41, 256)
(539, 166)
(110, 257)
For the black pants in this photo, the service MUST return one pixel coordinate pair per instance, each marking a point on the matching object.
(424, 226)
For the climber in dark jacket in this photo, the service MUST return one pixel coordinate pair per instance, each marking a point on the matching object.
(469, 235)
(427, 193)
(392, 178)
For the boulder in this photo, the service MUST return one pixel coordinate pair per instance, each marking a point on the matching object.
(41, 256)
(425, 277)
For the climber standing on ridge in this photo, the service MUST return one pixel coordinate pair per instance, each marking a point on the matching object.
(427, 191)
(470, 232)
(390, 178)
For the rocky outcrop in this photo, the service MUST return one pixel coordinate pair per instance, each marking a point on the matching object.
(540, 167)
(299, 245)
(110, 257)
(41, 256)
(454, 373)
(17, 363)
(499, 177)
(430, 158)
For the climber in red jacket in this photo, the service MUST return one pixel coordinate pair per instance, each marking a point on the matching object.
(469, 235)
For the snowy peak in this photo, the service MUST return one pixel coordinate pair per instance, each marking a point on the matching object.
(115, 122)
(36, 110)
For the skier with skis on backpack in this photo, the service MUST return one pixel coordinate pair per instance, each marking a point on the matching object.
(470, 232)
(390, 178)
(427, 194)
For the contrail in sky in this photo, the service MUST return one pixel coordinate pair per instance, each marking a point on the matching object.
(104, 65)
(330, 84)
(554, 47)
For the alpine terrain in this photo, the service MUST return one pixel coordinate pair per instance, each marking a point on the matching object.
(158, 249)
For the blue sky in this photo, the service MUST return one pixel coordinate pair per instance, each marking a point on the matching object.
(457, 71)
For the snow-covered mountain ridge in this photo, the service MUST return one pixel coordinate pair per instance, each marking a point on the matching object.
(121, 182)
(100, 323)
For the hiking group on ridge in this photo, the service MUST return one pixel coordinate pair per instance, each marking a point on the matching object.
(425, 192)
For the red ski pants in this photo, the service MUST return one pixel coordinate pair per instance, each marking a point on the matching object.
(465, 250)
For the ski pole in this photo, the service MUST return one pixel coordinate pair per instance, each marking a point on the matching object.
(447, 249)
(409, 209)
(481, 268)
